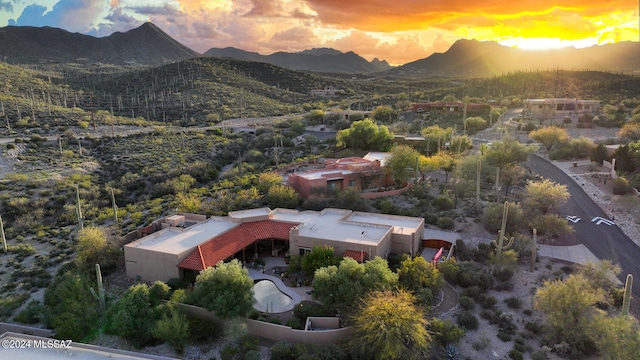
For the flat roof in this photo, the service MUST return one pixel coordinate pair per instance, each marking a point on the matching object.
(332, 224)
(317, 174)
(401, 224)
(176, 241)
(376, 155)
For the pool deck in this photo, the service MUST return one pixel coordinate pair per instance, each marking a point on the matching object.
(297, 294)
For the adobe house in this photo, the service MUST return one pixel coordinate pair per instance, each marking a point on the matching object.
(172, 251)
(559, 106)
(361, 174)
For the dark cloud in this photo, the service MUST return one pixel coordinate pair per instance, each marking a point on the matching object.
(164, 10)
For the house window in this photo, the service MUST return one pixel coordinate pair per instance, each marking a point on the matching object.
(352, 183)
(304, 251)
(331, 185)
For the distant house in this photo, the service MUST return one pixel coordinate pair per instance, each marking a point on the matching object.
(446, 106)
(327, 91)
(182, 251)
(559, 106)
(356, 173)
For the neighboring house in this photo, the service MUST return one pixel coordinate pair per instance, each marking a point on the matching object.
(327, 91)
(182, 252)
(559, 106)
(361, 174)
(450, 106)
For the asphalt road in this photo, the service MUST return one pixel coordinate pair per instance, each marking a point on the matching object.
(604, 241)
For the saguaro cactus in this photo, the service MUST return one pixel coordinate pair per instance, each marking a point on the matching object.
(626, 301)
(79, 209)
(500, 244)
(4, 239)
(534, 249)
(100, 295)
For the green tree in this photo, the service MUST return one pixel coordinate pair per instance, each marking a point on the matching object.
(72, 311)
(541, 196)
(569, 306)
(315, 117)
(444, 161)
(550, 225)
(188, 202)
(365, 135)
(601, 273)
(510, 175)
(91, 245)
(133, 316)
(436, 137)
(388, 325)
(282, 196)
(629, 132)
(599, 154)
(508, 151)
(225, 289)
(549, 136)
(384, 114)
(492, 217)
(403, 162)
(617, 337)
(474, 124)
(318, 257)
(267, 180)
(416, 274)
(342, 286)
(460, 144)
(182, 183)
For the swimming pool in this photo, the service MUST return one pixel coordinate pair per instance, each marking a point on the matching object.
(269, 298)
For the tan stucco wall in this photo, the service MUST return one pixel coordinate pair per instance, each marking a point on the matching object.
(150, 265)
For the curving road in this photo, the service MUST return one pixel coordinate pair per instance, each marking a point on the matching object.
(604, 241)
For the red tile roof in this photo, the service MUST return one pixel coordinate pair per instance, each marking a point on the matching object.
(355, 255)
(235, 239)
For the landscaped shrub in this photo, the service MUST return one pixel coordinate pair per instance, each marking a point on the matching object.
(620, 186)
(473, 292)
(462, 251)
(449, 270)
(295, 323)
(175, 284)
(430, 218)
(445, 332)
(467, 320)
(173, 328)
(204, 330)
(466, 302)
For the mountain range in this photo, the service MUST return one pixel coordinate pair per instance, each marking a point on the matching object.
(148, 44)
(317, 60)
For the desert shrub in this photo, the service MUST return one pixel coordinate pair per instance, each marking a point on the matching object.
(132, 317)
(515, 354)
(482, 252)
(488, 301)
(445, 332)
(204, 330)
(620, 186)
(504, 286)
(443, 203)
(446, 223)
(32, 314)
(528, 127)
(462, 250)
(449, 270)
(295, 323)
(617, 296)
(471, 274)
(430, 218)
(472, 292)
(173, 328)
(481, 344)
(503, 273)
(283, 350)
(466, 302)
(467, 320)
(513, 302)
(450, 352)
(175, 284)
(534, 327)
(10, 302)
(506, 337)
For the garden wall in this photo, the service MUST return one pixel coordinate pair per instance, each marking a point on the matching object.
(378, 194)
(277, 332)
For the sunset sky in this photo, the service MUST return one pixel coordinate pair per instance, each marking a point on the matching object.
(398, 31)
